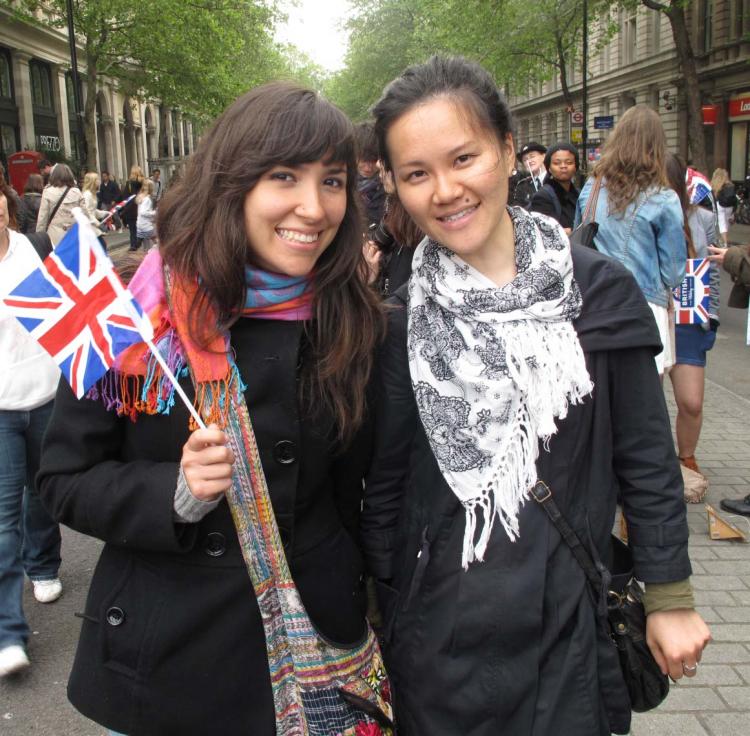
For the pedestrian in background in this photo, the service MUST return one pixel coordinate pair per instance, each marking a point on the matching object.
(262, 243)
(32, 199)
(532, 157)
(108, 196)
(129, 214)
(558, 195)
(29, 538)
(725, 198)
(90, 190)
(500, 369)
(58, 200)
(640, 218)
(45, 169)
(146, 220)
(369, 184)
(692, 342)
(158, 185)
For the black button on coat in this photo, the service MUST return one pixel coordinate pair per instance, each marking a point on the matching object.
(188, 656)
(509, 647)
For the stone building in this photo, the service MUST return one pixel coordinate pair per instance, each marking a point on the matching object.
(639, 65)
(37, 110)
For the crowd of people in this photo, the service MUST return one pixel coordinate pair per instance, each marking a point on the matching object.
(392, 345)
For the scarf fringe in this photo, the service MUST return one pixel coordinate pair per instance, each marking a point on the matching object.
(153, 393)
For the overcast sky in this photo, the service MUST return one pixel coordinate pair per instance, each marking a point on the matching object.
(315, 27)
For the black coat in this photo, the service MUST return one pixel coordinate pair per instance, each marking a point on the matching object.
(509, 647)
(555, 202)
(108, 194)
(172, 640)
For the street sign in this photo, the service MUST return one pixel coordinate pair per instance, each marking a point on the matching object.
(604, 122)
(576, 118)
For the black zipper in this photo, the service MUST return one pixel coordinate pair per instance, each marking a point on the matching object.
(423, 558)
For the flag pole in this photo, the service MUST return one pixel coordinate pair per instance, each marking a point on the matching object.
(141, 322)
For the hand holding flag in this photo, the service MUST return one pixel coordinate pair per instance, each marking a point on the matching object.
(75, 306)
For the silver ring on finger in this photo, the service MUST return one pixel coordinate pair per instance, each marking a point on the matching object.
(689, 669)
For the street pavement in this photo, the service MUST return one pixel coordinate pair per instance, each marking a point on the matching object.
(714, 703)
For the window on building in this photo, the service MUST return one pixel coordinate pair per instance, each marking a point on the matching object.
(175, 133)
(708, 24)
(6, 88)
(655, 31)
(41, 84)
(69, 92)
(629, 39)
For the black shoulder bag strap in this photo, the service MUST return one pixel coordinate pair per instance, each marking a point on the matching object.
(56, 207)
(596, 574)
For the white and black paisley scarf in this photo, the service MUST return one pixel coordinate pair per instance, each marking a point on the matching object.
(493, 367)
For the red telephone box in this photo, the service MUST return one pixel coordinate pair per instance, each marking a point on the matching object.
(20, 165)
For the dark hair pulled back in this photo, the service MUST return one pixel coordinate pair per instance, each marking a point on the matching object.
(443, 76)
(202, 234)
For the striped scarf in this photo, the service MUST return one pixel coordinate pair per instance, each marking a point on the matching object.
(137, 385)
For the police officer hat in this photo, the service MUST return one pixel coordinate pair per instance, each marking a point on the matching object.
(562, 146)
(530, 146)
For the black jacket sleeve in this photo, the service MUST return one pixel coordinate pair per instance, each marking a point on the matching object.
(86, 484)
(396, 420)
(542, 202)
(647, 469)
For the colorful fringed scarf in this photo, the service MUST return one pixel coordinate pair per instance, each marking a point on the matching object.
(318, 689)
(137, 385)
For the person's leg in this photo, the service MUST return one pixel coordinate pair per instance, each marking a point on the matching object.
(688, 384)
(133, 233)
(13, 627)
(41, 534)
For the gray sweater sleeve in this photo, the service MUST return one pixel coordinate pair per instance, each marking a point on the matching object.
(187, 508)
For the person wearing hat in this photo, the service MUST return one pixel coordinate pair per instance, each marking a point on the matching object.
(558, 195)
(532, 157)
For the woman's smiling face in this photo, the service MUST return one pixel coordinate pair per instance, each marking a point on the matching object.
(293, 214)
(451, 176)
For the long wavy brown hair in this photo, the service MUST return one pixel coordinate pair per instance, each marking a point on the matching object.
(633, 157)
(201, 229)
(676, 171)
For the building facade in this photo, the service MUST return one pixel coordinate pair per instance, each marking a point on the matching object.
(639, 65)
(37, 110)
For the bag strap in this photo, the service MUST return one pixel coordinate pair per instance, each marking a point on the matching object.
(543, 496)
(56, 207)
(591, 204)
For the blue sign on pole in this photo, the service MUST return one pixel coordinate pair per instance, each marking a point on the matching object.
(603, 122)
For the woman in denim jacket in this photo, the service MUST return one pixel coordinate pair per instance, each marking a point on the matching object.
(640, 218)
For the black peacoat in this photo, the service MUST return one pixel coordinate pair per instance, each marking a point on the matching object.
(510, 647)
(171, 639)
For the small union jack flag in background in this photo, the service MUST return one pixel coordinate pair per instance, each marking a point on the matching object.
(115, 209)
(72, 308)
(691, 297)
(697, 185)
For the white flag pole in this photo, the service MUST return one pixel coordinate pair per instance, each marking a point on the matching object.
(142, 322)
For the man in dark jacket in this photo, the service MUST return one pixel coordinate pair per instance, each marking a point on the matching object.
(532, 157)
(109, 195)
(368, 182)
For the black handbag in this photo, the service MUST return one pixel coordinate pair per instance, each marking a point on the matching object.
(585, 233)
(621, 608)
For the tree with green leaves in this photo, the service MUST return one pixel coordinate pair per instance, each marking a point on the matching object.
(196, 55)
(519, 42)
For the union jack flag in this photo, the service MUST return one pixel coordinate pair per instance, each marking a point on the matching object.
(691, 297)
(72, 309)
(697, 185)
(114, 209)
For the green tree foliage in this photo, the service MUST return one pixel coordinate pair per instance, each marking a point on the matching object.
(518, 41)
(195, 54)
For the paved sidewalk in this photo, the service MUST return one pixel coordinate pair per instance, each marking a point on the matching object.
(717, 701)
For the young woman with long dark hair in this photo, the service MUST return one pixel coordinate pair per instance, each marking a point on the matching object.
(257, 300)
(509, 361)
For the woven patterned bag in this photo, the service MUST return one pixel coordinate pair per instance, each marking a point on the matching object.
(318, 689)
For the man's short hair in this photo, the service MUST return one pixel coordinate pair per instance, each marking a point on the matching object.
(156, 171)
(43, 164)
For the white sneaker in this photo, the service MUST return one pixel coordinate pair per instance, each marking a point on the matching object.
(13, 659)
(47, 591)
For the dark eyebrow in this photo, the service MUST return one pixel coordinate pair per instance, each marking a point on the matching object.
(452, 152)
